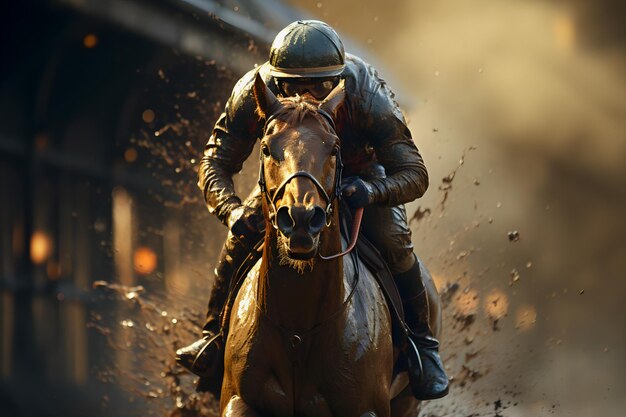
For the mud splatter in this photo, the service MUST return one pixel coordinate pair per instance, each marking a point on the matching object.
(419, 214)
(446, 182)
(145, 346)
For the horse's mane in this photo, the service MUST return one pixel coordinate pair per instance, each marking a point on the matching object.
(295, 109)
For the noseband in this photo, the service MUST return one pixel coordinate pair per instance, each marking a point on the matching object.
(271, 199)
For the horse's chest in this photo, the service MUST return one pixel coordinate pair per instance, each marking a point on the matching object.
(302, 383)
(307, 401)
(297, 395)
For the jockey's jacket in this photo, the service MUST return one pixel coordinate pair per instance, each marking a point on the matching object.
(370, 125)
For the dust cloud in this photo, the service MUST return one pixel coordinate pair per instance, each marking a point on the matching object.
(518, 109)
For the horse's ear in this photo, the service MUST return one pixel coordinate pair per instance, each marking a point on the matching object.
(335, 99)
(266, 101)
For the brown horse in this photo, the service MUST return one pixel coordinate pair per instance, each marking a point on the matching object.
(308, 336)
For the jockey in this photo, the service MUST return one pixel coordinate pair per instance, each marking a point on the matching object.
(383, 168)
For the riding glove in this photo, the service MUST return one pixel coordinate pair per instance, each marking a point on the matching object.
(357, 192)
(244, 219)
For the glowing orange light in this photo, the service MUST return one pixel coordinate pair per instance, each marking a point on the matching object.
(148, 116)
(40, 247)
(526, 317)
(496, 304)
(145, 260)
(90, 41)
(130, 155)
(564, 31)
(467, 303)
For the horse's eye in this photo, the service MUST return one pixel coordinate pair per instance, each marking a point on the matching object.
(265, 150)
(334, 151)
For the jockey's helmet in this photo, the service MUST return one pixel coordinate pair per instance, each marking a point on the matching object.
(307, 57)
(307, 49)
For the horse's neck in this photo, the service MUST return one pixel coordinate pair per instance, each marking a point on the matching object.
(300, 301)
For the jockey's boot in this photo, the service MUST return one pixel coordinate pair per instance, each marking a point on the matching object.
(203, 357)
(427, 375)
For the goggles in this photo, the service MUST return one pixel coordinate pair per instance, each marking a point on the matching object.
(317, 87)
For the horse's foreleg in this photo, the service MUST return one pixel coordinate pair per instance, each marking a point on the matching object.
(237, 407)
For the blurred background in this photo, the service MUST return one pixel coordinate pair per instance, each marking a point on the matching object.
(106, 248)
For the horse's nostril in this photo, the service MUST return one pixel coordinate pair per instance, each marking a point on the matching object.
(317, 220)
(292, 218)
(284, 221)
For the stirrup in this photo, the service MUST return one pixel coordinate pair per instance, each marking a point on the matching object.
(204, 365)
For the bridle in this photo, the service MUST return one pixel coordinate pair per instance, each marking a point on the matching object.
(328, 199)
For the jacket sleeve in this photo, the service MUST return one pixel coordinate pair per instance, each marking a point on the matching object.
(385, 127)
(230, 144)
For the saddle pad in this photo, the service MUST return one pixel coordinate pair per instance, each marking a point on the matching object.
(374, 261)
(370, 256)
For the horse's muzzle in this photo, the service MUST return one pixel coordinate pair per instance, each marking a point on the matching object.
(301, 227)
(302, 246)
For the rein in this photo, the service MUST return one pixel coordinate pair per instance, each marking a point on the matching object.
(356, 225)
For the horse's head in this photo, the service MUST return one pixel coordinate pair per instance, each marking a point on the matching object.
(300, 168)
